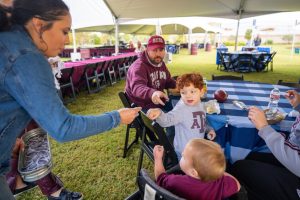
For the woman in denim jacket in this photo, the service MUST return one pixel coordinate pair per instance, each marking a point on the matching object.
(38, 29)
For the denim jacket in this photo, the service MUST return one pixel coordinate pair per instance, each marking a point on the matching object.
(27, 91)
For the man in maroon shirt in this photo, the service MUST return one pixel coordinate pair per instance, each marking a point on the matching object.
(148, 77)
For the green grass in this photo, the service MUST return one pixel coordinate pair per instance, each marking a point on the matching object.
(95, 167)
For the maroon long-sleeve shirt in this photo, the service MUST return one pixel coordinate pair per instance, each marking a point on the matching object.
(144, 78)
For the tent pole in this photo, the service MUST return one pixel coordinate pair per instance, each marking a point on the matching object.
(158, 28)
(74, 40)
(293, 42)
(116, 36)
(190, 39)
(242, 3)
(254, 32)
(205, 39)
(237, 35)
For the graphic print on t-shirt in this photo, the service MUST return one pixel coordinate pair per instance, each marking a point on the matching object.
(198, 121)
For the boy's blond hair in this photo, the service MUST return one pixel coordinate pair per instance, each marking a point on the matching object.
(207, 158)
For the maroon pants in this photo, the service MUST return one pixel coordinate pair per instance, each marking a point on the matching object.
(48, 184)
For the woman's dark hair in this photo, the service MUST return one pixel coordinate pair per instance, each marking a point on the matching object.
(47, 10)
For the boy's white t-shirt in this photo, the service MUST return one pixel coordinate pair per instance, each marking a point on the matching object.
(189, 121)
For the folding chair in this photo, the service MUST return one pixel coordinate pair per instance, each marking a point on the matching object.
(111, 74)
(67, 82)
(244, 63)
(264, 60)
(153, 134)
(225, 61)
(91, 78)
(101, 75)
(227, 77)
(136, 124)
(149, 190)
(122, 68)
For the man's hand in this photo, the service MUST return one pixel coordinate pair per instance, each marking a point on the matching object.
(153, 113)
(293, 97)
(257, 117)
(158, 97)
(127, 115)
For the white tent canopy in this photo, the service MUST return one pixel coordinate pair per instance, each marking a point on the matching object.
(91, 13)
(234, 9)
(148, 26)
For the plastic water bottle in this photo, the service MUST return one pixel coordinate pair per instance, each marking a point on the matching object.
(273, 103)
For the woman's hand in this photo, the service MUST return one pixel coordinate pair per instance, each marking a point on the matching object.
(257, 117)
(127, 115)
(18, 145)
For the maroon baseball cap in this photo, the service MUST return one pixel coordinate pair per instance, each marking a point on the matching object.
(156, 41)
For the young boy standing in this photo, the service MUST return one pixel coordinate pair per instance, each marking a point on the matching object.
(188, 116)
(203, 163)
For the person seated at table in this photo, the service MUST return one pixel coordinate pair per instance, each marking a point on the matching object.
(130, 45)
(140, 47)
(188, 116)
(274, 175)
(257, 41)
(203, 164)
(50, 185)
(148, 77)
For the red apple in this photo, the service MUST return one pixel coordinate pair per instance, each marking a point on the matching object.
(220, 95)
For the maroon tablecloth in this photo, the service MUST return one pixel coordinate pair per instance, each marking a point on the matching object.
(80, 65)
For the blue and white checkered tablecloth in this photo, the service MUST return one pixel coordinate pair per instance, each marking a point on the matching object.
(235, 132)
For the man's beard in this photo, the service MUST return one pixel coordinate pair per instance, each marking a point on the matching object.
(156, 62)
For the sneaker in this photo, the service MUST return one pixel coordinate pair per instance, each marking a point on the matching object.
(67, 195)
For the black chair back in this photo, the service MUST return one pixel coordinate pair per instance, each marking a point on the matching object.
(157, 136)
(227, 77)
(136, 124)
(145, 181)
(67, 82)
(289, 84)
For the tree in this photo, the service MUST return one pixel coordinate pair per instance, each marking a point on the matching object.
(287, 38)
(248, 34)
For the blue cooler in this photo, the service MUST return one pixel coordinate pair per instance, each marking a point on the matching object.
(263, 49)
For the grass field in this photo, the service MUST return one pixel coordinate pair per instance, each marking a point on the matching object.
(95, 167)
